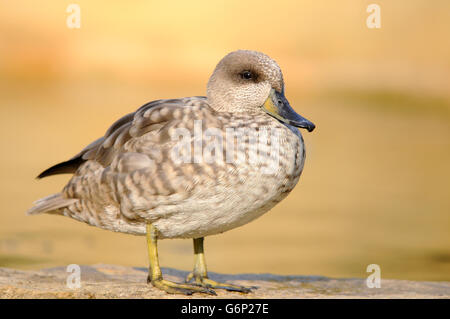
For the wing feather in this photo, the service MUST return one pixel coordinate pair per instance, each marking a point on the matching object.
(149, 117)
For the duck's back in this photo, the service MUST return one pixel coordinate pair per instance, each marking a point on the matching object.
(169, 163)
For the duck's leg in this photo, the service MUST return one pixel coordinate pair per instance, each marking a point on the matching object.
(200, 274)
(155, 275)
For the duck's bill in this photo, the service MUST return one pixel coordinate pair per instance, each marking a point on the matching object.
(278, 106)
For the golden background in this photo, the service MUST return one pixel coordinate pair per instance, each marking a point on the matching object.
(375, 188)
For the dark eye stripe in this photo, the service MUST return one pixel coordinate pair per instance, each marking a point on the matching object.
(247, 75)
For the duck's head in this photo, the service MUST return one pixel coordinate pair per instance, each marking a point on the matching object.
(250, 81)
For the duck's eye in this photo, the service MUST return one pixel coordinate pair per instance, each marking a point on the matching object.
(247, 75)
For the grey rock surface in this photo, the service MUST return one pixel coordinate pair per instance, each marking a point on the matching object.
(110, 281)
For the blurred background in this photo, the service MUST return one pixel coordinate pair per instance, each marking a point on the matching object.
(375, 188)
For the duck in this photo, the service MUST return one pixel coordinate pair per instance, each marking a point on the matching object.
(190, 167)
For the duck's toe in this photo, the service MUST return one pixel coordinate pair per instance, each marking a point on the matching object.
(184, 289)
(209, 283)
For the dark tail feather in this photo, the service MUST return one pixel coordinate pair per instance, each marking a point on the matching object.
(67, 167)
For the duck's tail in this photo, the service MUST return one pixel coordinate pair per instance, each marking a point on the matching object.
(50, 204)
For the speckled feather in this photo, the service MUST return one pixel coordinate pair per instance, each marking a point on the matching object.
(128, 177)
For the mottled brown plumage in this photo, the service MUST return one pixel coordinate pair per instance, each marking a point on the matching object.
(129, 177)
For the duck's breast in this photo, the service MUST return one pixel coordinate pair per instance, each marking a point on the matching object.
(240, 191)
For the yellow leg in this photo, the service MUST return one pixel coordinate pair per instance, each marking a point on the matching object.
(155, 275)
(200, 274)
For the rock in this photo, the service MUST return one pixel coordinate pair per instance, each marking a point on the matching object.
(109, 281)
